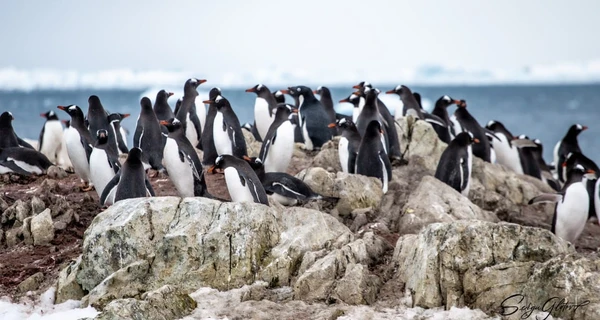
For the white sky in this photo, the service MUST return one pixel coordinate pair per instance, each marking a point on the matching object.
(239, 36)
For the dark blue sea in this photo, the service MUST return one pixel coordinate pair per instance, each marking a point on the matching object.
(543, 112)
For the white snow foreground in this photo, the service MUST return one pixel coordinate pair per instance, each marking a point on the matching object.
(43, 308)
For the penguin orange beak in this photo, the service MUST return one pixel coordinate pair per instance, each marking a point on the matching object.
(246, 158)
(331, 125)
(456, 101)
(285, 91)
(125, 115)
(390, 91)
(170, 94)
(208, 101)
(251, 90)
(584, 128)
(64, 121)
(164, 122)
(62, 108)
(356, 86)
(344, 100)
(43, 115)
(591, 171)
(476, 140)
(295, 111)
(201, 81)
(211, 170)
(315, 92)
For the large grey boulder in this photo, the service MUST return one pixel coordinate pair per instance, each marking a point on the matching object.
(419, 142)
(67, 287)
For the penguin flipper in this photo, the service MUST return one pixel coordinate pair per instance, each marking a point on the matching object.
(41, 139)
(196, 121)
(284, 190)
(149, 188)
(183, 157)
(255, 188)
(491, 134)
(547, 197)
(264, 149)
(439, 122)
(14, 167)
(386, 162)
(112, 184)
(24, 144)
(88, 148)
(137, 136)
(352, 162)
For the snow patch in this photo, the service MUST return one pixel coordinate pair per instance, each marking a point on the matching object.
(44, 309)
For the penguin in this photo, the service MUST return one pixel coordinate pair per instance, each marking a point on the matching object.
(456, 163)
(8, 137)
(528, 161)
(278, 145)
(371, 159)
(182, 162)
(411, 105)
(130, 182)
(265, 106)
(507, 154)
(370, 112)
(63, 157)
(187, 113)
(242, 182)
(279, 96)
(119, 132)
(348, 144)
(104, 164)
(576, 158)
(177, 106)
(79, 145)
(538, 154)
(161, 106)
(572, 205)
(227, 132)
(312, 117)
(148, 137)
(97, 118)
(23, 161)
(327, 103)
(565, 146)
(284, 188)
(469, 123)
(441, 110)
(358, 103)
(51, 136)
(208, 143)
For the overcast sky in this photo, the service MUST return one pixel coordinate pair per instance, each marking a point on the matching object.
(233, 36)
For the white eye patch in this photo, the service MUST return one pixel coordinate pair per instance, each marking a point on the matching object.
(447, 98)
(398, 87)
(219, 98)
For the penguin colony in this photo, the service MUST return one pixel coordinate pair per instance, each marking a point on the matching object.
(167, 141)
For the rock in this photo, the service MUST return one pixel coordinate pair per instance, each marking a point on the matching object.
(26, 231)
(37, 205)
(60, 225)
(436, 263)
(22, 210)
(252, 145)
(319, 180)
(48, 186)
(67, 287)
(67, 217)
(356, 191)
(60, 206)
(3, 204)
(419, 142)
(31, 283)
(12, 236)
(56, 172)
(166, 302)
(42, 228)
(357, 286)
(127, 282)
(434, 201)
(328, 157)
(8, 215)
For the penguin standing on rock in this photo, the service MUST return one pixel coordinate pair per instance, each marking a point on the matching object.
(370, 112)
(456, 162)
(161, 106)
(327, 103)
(207, 140)
(348, 144)
(312, 117)
(371, 160)
(265, 106)
(79, 145)
(97, 118)
(242, 182)
(130, 182)
(528, 161)
(227, 132)
(278, 146)
(507, 154)
(119, 132)
(565, 146)
(441, 111)
(538, 154)
(411, 105)
(572, 205)
(182, 162)
(187, 113)
(469, 123)
(8, 137)
(104, 164)
(23, 161)
(51, 136)
(148, 137)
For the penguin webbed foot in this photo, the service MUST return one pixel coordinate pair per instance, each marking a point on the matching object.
(86, 187)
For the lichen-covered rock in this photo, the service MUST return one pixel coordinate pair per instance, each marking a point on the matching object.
(26, 231)
(319, 180)
(166, 302)
(42, 228)
(37, 205)
(67, 287)
(22, 210)
(31, 283)
(328, 157)
(434, 201)
(56, 172)
(419, 142)
(356, 191)
(127, 282)
(357, 286)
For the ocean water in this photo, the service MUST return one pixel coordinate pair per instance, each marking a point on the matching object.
(544, 112)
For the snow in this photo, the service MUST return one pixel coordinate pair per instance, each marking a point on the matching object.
(44, 309)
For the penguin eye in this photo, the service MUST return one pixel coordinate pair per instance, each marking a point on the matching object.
(258, 161)
(299, 89)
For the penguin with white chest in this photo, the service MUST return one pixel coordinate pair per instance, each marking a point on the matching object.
(466, 122)
(348, 144)
(507, 154)
(209, 151)
(312, 117)
(227, 132)
(104, 163)
(79, 145)
(148, 137)
(278, 145)
(187, 113)
(51, 136)
(130, 182)
(372, 160)
(119, 132)
(456, 163)
(182, 162)
(242, 182)
(572, 205)
(566, 145)
(265, 107)
(97, 119)
(63, 157)
(23, 161)
(161, 106)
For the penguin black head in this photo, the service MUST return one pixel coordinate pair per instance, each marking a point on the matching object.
(374, 128)
(298, 91)
(50, 115)
(362, 85)
(134, 156)
(259, 89)
(446, 101)
(146, 103)
(462, 104)
(163, 95)
(284, 110)
(102, 136)
(343, 123)
(353, 98)
(465, 139)
(279, 96)
(218, 166)
(94, 100)
(400, 90)
(213, 93)
(193, 83)
(254, 162)
(371, 94)
(6, 119)
(576, 129)
(219, 102)
(172, 124)
(72, 110)
(323, 91)
(117, 117)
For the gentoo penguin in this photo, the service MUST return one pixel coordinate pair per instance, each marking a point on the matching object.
(264, 109)
(370, 112)
(507, 154)
(528, 161)
(327, 102)
(348, 145)
(79, 145)
(227, 132)
(23, 161)
(130, 182)
(358, 103)
(538, 154)
(389, 124)
(242, 182)
(470, 124)
(411, 105)
(371, 160)
(187, 113)
(284, 188)
(182, 162)
(51, 136)
(8, 137)
(565, 146)
(119, 132)
(279, 96)
(312, 117)
(161, 106)
(456, 162)
(572, 205)
(104, 164)
(278, 145)
(208, 143)
(577, 158)
(97, 118)
(148, 137)
(63, 157)
(441, 111)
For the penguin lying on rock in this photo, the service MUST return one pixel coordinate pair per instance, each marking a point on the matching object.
(242, 182)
